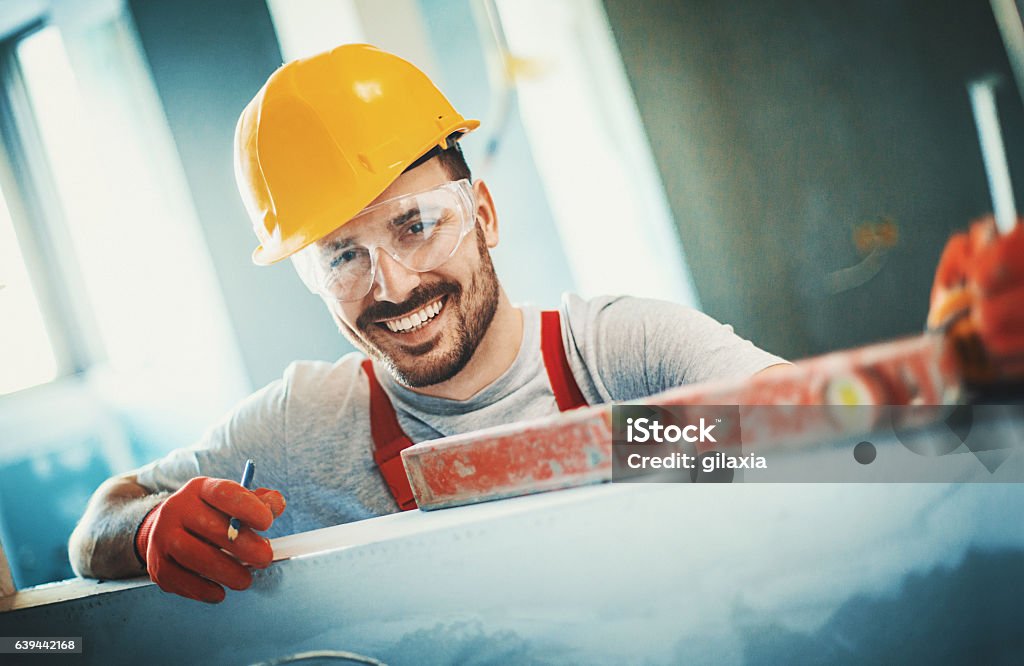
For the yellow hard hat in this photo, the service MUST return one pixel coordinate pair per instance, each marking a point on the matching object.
(326, 135)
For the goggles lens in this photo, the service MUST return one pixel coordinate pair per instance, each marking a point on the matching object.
(420, 231)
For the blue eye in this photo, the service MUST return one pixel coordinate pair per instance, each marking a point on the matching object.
(345, 257)
(422, 227)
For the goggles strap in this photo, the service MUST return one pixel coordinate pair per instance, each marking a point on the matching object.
(453, 144)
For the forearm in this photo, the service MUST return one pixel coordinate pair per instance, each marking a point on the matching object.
(102, 544)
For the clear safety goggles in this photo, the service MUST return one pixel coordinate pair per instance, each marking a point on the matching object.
(420, 231)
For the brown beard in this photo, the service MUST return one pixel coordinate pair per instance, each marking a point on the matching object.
(472, 311)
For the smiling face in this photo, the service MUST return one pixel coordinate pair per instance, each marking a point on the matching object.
(425, 327)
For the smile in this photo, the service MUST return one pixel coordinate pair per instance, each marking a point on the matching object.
(416, 320)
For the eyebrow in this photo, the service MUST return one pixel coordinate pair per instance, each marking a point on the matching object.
(397, 221)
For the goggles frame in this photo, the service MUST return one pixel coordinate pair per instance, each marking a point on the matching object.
(316, 279)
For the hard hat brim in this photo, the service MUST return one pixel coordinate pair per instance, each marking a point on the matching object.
(263, 257)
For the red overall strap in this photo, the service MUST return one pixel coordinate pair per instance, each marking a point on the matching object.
(389, 439)
(567, 392)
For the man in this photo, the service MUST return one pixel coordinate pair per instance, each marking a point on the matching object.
(348, 164)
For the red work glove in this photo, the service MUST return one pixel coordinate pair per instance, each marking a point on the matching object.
(978, 297)
(182, 541)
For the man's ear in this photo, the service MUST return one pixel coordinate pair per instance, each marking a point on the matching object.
(485, 213)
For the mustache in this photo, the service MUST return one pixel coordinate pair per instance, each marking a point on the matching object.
(417, 299)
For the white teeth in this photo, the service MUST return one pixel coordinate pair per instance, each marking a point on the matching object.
(415, 320)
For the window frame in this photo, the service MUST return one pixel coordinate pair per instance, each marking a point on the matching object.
(38, 218)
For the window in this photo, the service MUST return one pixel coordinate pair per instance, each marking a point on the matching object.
(122, 272)
(26, 353)
(577, 107)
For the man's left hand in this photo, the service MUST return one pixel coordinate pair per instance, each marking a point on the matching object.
(978, 298)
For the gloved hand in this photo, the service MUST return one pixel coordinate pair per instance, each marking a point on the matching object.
(978, 298)
(182, 540)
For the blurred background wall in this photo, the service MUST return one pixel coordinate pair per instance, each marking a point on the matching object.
(784, 131)
(792, 168)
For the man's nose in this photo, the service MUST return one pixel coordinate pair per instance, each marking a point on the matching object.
(393, 281)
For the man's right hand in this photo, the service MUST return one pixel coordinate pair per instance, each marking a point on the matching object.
(184, 538)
